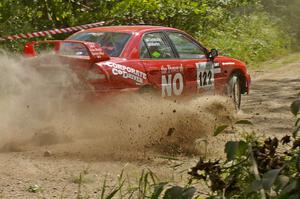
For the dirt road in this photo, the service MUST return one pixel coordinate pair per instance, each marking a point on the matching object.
(272, 92)
(52, 171)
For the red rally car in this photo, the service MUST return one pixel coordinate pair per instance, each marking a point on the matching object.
(143, 58)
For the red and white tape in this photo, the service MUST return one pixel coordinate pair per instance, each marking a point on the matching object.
(52, 32)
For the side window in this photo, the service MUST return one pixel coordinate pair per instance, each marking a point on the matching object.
(144, 53)
(157, 47)
(186, 48)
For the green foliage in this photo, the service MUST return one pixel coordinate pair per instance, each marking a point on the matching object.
(177, 192)
(277, 174)
(286, 12)
(234, 149)
(251, 38)
(183, 14)
(255, 168)
(242, 29)
(34, 189)
(220, 129)
(295, 109)
(148, 186)
(244, 122)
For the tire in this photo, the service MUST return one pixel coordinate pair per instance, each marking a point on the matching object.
(234, 90)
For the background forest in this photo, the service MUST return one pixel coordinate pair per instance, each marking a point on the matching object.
(250, 30)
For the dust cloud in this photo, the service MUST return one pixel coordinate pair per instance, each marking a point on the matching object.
(35, 115)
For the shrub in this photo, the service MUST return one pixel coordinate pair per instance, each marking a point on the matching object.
(254, 38)
(238, 28)
(255, 168)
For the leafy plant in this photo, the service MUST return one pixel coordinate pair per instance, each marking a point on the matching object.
(295, 109)
(255, 168)
(34, 189)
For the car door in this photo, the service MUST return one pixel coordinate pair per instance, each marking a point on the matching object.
(199, 70)
(164, 69)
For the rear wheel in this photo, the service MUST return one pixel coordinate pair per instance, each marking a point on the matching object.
(234, 90)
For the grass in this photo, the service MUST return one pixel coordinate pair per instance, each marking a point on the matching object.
(279, 62)
(145, 184)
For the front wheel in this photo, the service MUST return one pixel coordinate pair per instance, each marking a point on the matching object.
(234, 90)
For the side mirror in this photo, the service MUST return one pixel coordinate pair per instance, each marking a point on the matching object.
(213, 54)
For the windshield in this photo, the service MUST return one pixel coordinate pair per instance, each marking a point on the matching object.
(111, 42)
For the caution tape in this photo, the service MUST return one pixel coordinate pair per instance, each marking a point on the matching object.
(52, 32)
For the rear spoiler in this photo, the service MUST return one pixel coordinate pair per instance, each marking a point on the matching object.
(90, 49)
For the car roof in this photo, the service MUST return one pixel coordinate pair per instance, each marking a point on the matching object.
(128, 29)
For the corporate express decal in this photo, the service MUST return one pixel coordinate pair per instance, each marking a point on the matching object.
(172, 80)
(126, 72)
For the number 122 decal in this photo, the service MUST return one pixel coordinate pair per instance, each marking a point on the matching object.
(205, 75)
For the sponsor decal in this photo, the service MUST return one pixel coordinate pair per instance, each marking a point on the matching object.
(126, 72)
(205, 75)
(217, 65)
(153, 42)
(227, 63)
(95, 49)
(172, 80)
(155, 54)
(217, 68)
